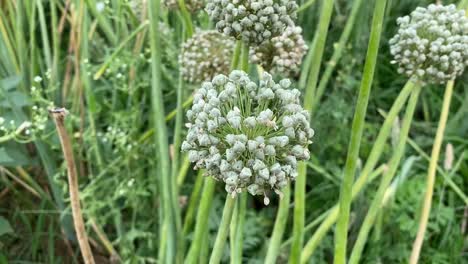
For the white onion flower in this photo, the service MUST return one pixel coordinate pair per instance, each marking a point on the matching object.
(253, 21)
(432, 43)
(244, 138)
(282, 54)
(204, 55)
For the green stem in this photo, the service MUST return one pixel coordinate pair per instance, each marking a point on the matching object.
(431, 174)
(103, 22)
(338, 51)
(306, 5)
(194, 201)
(341, 234)
(183, 171)
(245, 57)
(188, 26)
(201, 226)
(238, 238)
(237, 54)
(44, 35)
(89, 93)
(280, 226)
(387, 178)
(331, 217)
(168, 204)
(223, 230)
(300, 185)
(176, 162)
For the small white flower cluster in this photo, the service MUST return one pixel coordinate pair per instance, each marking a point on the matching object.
(117, 138)
(282, 54)
(432, 43)
(249, 136)
(192, 6)
(204, 55)
(253, 21)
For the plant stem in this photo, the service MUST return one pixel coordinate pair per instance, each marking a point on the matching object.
(103, 22)
(201, 226)
(338, 51)
(237, 240)
(330, 219)
(341, 233)
(300, 185)
(431, 174)
(186, 18)
(194, 200)
(89, 92)
(165, 196)
(237, 54)
(223, 230)
(245, 57)
(280, 226)
(387, 178)
(59, 117)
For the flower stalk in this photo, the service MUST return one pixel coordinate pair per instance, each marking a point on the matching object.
(223, 230)
(300, 185)
(341, 233)
(387, 178)
(166, 197)
(431, 174)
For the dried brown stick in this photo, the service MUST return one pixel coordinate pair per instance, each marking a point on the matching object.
(58, 115)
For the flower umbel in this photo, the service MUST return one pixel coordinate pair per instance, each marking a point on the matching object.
(249, 136)
(432, 43)
(253, 21)
(282, 54)
(204, 55)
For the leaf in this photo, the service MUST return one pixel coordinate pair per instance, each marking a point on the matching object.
(13, 156)
(5, 226)
(16, 98)
(10, 82)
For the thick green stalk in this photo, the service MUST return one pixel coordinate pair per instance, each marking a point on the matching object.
(245, 57)
(341, 233)
(300, 185)
(223, 230)
(237, 54)
(186, 18)
(338, 51)
(176, 162)
(89, 93)
(387, 178)
(237, 239)
(233, 228)
(45, 37)
(431, 174)
(194, 201)
(201, 226)
(165, 197)
(54, 71)
(280, 226)
(237, 222)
